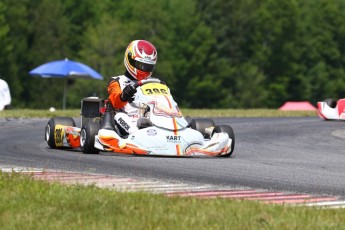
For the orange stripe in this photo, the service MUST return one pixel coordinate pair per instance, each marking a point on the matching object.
(198, 150)
(170, 106)
(175, 126)
(110, 143)
(178, 149)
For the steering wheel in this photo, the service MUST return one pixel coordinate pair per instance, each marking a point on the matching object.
(143, 82)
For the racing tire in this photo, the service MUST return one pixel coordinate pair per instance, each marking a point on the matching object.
(331, 102)
(200, 124)
(50, 128)
(87, 137)
(226, 129)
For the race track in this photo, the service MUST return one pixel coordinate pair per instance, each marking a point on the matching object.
(305, 155)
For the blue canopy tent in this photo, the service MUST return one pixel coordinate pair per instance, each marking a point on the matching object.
(66, 69)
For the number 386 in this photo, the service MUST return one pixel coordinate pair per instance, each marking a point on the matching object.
(156, 91)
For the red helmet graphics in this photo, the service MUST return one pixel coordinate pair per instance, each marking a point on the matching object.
(140, 59)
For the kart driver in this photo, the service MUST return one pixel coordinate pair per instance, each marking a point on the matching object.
(140, 60)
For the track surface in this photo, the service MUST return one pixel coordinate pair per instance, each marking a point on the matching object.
(305, 155)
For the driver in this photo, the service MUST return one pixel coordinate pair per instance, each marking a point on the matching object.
(140, 60)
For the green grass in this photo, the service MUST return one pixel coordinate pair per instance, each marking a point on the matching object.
(246, 113)
(30, 113)
(29, 204)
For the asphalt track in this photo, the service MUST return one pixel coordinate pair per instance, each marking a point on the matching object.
(303, 154)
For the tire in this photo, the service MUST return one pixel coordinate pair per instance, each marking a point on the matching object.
(50, 128)
(226, 129)
(87, 138)
(331, 102)
(201, 124)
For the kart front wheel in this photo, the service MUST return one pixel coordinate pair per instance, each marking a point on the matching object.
(200, 124)
(50, 128)
(226, 129)
(331, 102)
(87, 137)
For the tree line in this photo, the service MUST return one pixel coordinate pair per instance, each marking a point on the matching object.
(212, 54)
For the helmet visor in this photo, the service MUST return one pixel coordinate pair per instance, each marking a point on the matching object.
(140, 65)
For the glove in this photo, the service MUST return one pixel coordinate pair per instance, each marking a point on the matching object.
(128, 93)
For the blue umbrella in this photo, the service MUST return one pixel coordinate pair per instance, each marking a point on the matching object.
(65, 69)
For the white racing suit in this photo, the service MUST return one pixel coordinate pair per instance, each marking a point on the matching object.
(127, 117)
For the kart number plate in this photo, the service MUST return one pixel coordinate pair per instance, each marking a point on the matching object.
(59, 134)
(155, 89)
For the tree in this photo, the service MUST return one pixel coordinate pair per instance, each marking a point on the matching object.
(4, 31)
(189, 51)
(183, 54)
(322, 48)
(237, 62)
(49, 40)
(219, 53)
(15, 54)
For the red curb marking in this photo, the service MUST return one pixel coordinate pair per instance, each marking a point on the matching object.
(210, 193)
(265, 197)
(59, 174)
(76, 177)
(252, 195)
(241, 194)
(297, 201)
(283, 196)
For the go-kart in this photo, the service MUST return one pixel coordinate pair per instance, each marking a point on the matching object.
(331, 109)
(162, 129)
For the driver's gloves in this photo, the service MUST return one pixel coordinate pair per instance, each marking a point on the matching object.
(128, 93)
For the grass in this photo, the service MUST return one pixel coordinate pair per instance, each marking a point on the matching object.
(29, 204)
(31, 113)
(246, 113)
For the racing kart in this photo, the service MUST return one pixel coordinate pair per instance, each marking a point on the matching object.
(331, 109)
(162, 129)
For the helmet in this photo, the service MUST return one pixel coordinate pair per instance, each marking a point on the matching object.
(140, 59)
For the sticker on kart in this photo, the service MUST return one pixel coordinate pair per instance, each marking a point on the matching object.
(155, 89)
(59, 135)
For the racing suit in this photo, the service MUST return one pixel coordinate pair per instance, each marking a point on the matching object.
(128, 114)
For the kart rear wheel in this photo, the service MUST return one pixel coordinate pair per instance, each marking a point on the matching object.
(226, 129)
(50, 128)
(200, 124)
(331, 102)
(87, 137)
